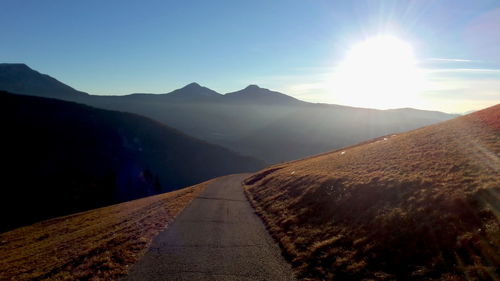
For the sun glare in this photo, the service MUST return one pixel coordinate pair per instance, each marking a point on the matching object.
(380, 72)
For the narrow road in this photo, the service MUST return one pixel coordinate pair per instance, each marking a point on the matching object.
(217, 237)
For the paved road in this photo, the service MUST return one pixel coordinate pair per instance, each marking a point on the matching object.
(217, 237)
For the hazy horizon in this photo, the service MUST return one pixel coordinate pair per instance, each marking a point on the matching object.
(432, 55)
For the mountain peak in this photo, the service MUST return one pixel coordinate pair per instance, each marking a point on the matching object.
(193, 85)
(193, 91)
(253, 87)
(255, 94)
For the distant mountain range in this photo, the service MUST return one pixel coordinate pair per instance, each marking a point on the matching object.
(253, 121)
(61, 157)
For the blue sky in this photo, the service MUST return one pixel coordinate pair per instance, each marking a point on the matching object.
(120, 47)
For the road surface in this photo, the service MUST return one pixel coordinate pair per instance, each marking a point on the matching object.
(217, 237)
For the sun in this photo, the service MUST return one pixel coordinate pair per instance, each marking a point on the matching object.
(380, 72)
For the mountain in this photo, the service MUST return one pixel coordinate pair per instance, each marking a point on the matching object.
(254, 94)
(422, 205)
(272, 126)
(189, 93)
(193, 91)
(262, 123)
(62, 157)
(21, 79)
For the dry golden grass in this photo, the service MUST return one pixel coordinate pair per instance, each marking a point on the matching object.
(422, 205)
(95, 245)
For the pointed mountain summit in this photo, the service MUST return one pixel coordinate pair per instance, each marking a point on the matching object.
(254, 87)
(193, 92)
(258, 95)
(21, 79)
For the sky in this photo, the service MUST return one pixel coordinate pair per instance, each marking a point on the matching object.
(295, 47)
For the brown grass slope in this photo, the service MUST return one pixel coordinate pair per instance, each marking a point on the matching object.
(95, 245)
(422, 205)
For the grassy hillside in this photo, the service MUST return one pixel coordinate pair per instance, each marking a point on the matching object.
(95, 245)
(62, 157)
(422, 205)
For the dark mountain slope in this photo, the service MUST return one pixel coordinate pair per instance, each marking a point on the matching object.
(62, 157)
(422, 205)
(20, 79)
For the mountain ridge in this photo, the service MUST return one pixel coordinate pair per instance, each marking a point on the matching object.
(193, 88)
(263, 123)
(20, 78)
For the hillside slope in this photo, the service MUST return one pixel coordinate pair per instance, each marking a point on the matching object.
(99, 244)
(422, 205)
(62, 157)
